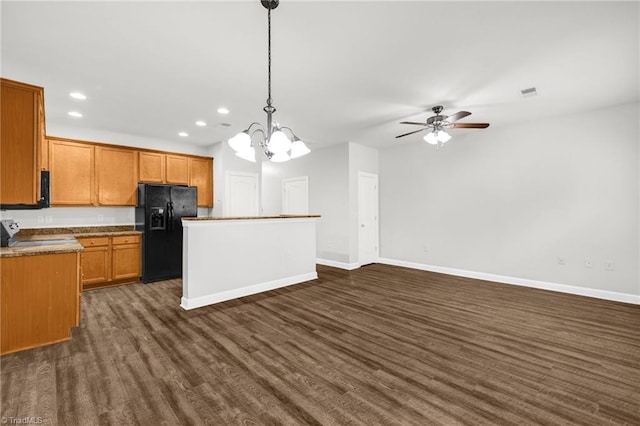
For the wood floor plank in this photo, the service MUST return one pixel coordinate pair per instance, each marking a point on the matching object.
(381, 345)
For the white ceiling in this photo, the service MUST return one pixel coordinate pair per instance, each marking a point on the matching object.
(342, 71)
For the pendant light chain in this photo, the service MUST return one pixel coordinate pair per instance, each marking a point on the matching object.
(269, 50)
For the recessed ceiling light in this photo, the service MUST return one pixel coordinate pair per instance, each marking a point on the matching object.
(78, 95)
(201, 123)
(223, 110)
(75, 114)
(183, 134)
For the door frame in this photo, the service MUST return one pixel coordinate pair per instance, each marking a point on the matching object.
(368, 175)
(294, 179)
(227, 192)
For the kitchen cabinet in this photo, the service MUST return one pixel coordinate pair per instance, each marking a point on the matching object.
(40, 300)
(126, 255)
(21, 142)
(108, 261)
(117, 172)
(177, 169)
(72, 166)
(201, 176)
(152, 167)
(95, 260)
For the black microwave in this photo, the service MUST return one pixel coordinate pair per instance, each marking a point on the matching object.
(45, 195)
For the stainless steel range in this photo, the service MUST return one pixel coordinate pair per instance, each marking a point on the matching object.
(9, 237)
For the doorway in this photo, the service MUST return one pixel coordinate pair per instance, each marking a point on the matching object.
(295, 195)
(241, 194)
(367, 218)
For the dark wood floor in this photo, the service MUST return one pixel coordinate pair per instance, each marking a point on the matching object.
(378, 345)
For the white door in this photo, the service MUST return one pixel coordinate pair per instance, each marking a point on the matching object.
(295, 195)
(368, 218)
(241, 191)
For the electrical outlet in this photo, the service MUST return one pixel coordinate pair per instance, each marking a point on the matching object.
(48, 219)
(562, 260)
(609, 265)
(40, 220)
(588, 262)
(100, 218)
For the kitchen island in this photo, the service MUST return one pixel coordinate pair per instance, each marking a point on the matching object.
(229, 257)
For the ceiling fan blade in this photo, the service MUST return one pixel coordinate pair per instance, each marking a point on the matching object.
(413, 122)
(410, 133)
(457, 116)
(468, 125)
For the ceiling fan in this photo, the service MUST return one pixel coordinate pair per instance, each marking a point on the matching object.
(437, 124)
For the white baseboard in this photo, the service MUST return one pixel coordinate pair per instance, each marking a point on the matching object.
(210, 299)
(562, 288)
(335, 264)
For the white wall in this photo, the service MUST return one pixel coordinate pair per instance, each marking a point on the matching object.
(510, 201)
(328, 171)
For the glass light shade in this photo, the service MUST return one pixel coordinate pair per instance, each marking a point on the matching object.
(248, 154)
(443, 136)
(431, 138)
(298, 149)
(240, 142)
(279, 143)
(280, 157)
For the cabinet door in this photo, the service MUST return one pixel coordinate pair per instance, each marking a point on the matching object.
(151, 166)
(117, 176)
(72, 173)
(126, 261)
(201, 176)
(96, 262)
(177, 169)
(39, 300)
(20, 142)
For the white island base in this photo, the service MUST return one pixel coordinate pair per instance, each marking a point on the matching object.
(226, 258)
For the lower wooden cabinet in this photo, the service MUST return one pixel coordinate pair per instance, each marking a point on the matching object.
(40, 300)
(108, 261)
(126, 257)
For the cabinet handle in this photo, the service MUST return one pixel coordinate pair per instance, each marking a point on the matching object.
(126, 241)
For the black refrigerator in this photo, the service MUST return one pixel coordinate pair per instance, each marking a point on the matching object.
(158, 216)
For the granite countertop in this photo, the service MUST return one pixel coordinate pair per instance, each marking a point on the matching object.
(282, 216)
(31, 234)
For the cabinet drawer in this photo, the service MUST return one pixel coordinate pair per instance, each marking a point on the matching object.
(94, 242)
(126, 239)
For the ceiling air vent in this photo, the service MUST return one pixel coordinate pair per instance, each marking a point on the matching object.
(527, 93)
(224, 124)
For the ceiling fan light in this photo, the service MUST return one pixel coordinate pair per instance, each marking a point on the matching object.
(280, 157)
(248, 154)
(431, 138)
(279, 143)
(443, 136)
(298, 149)
(240, 142)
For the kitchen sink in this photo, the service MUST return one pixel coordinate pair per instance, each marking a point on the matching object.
(31, 243)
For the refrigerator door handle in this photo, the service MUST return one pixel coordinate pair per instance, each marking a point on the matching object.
(169, 216)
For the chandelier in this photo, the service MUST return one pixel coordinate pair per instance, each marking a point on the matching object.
(272, 139)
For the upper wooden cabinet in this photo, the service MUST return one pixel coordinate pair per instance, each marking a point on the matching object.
(152, 167)
(201, 176)
(117, 171)
(95, 174)
(72, 166)
(158, 167)
(21, 142)
(177, 169)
